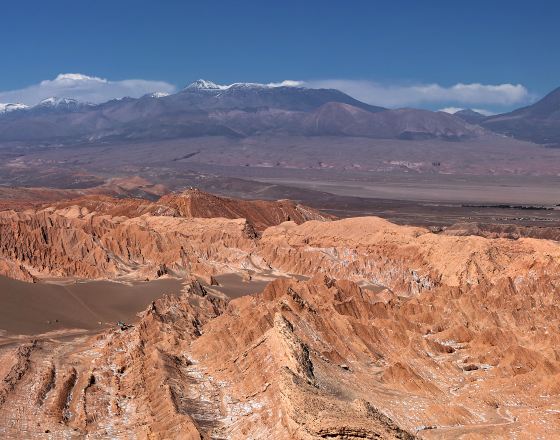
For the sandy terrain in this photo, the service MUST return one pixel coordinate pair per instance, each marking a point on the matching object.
(439, 188)
(29, 308)
(37, 308)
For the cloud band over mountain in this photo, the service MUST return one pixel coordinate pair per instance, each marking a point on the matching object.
(94, 89)
(422, 95)
(84, 88)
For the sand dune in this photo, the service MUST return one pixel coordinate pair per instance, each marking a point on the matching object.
(38, 308)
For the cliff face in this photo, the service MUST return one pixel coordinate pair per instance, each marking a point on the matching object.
(74, 243)
(100, 236)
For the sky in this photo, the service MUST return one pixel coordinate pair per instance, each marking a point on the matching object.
(489, 55)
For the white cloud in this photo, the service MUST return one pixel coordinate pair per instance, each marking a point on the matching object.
(84, 88)
(286, 83)
(464, 95)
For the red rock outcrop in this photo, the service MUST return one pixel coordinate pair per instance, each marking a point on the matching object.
(260, 213)
(194, 203)
(303, 359)
(195, 367)
(450, 337)
(104, 237)
(74, 243)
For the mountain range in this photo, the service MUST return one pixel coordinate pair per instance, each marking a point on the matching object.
(204, 108)
(539, 123)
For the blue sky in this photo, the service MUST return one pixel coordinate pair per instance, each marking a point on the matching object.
(395, 52)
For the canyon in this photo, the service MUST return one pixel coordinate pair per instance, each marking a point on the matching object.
(358, 328)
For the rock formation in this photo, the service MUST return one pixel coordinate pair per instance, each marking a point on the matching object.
(372, 330)
(103, 237)
(194, 203)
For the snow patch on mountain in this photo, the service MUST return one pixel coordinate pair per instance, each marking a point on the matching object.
(203, 84)
(10, 107)
(54, 101)
(158, 95)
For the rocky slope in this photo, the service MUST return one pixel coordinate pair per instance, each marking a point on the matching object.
(259, 213)
(539, 122)
(75, 242)
(471, 116)
(409, 124)
(469, 354)
(390, 332)
(194, 203)
(104, 237)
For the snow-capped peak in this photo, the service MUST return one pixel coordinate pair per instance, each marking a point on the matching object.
(158, 95)
(10, 107)
(203, 84)
(247, 85)
(54, 101)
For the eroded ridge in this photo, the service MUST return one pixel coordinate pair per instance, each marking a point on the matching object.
(390, 332)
